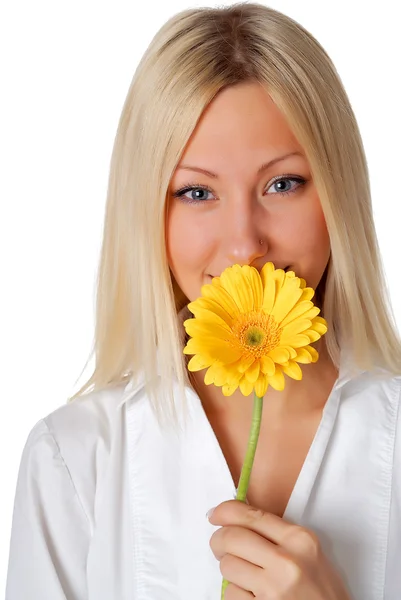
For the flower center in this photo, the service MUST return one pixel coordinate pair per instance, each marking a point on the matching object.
(256, 333)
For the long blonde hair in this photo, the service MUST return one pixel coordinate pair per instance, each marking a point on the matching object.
(194, 55)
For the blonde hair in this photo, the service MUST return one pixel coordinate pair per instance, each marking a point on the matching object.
(194, 55)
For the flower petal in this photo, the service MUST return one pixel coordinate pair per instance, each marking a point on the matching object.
(296, 341)
(246, 386)
(320, 325)
(253, 372)
(277, 381)
(303, 356)
(313, 352)
(235, 283)
(228, 390)
(297, 326)
(313, 335)
(210, 316)
(293, 370)
(198, 328)
(307, 292)
(267, 366)
(269, 295)
(214, 291)
(301, 309)
(292, 352)
(245, 363)
(220, 374)
(286, 298)
(209, 375)
(199, 307)
(198, 362)
(214, 348)
(279, 355)
(261, 385)
(255, 282)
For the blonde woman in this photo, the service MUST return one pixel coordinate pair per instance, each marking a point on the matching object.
(237, 144)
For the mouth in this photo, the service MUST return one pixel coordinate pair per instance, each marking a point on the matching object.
(286, 269)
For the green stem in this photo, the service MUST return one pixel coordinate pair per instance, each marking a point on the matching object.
(248, 462)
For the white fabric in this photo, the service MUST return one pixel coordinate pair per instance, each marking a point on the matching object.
(109, 507)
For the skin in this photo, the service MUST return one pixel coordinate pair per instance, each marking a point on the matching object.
(239, 131)
(263, 557)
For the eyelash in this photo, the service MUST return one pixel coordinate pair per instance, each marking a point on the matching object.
(195, 186)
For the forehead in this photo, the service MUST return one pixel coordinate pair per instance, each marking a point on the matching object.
(239, 120)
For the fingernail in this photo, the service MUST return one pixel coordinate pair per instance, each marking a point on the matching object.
(210, 512)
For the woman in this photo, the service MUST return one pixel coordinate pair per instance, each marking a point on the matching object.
(114, 486)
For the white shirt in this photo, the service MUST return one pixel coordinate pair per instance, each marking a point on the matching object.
(109, 507)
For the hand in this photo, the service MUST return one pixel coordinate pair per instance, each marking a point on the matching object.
(265, 557)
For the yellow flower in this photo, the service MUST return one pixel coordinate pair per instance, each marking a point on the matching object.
(250, 329)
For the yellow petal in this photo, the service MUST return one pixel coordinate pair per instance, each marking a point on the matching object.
(245, 386)
(267, 268)
(204, 329)
(277, 380)
(220, 375)
(269, 295)
(261, 386)
(198, 362)
(279, 278)
(296, 341)
(267, 365)
(313, 352)
(235, 283)
(292, 352)
(214, 348)
(320, 325)
(228, 390)
(301, 309)
(298, 326)
(201, 305)
(307, 292)
(293, 370)
(303, 356)
(215, 292)
(253, 372)
(279, 355)
(233, 375)
(212, 317)
(209, 376)
(313, 335)
(286, 298)
(256, 285)
(245, 362)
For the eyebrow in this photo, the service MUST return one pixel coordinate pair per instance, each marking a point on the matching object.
(262, 168)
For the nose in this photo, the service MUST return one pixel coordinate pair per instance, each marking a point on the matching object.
(241, 233)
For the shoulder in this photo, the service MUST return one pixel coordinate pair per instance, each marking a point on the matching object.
(88, 420)
(75, 441)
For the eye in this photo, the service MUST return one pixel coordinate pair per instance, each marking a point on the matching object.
(200, 192)
(284, 179)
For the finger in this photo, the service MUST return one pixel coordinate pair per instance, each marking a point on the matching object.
(245, 544)
(243, 574)
(233, 592)
(291, 537)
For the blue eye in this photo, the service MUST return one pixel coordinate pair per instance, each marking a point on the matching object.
(204, 189)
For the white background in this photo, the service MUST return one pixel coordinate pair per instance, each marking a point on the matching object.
(65, 72)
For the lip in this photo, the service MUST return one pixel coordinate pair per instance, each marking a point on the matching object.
(286, 269)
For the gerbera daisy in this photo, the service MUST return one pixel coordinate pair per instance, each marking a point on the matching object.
(250, 329)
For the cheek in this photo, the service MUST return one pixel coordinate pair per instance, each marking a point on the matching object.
(188, 241)
(307, 230)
